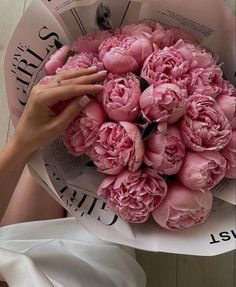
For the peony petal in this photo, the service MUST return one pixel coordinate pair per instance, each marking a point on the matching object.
(134, 134)
(119, 64)
(161, 215)
(181, 198)
(107, 181)
(202, 171)
(204, 199)
(132, 196)
(57, 60)
(228, 106)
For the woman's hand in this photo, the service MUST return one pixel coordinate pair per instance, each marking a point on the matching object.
(38, 124)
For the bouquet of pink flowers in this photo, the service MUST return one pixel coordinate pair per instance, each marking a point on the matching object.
(164, 128)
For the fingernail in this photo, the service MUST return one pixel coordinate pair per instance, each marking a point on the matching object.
(99, 86)
(84, 101)
(103, 72)
(94, 68)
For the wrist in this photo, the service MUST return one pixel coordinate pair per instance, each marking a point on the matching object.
(19, 147)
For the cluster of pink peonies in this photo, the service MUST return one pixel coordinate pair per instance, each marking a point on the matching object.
(164, 128)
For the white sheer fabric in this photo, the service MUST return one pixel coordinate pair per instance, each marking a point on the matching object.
(62, 253)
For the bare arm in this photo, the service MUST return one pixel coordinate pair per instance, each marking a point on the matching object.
(39, 125)
(12, 162)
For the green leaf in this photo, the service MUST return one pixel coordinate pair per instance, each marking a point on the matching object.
(143, 84)
(148, 131)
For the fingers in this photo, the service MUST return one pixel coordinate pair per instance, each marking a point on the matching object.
(85, 80)
(78, 77)
(70, 85)
(76, 73)
(55, 95)
(82, 80)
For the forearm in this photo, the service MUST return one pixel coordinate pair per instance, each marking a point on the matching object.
(13, 159)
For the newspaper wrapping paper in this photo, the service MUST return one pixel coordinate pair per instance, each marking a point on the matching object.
(72, 181)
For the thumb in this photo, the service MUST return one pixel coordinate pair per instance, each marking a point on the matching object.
(71, 111)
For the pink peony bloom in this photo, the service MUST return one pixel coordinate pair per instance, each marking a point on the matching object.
(174, 64)
(122, 54)
(163, 103)
(134, 195)
(229, 153)
(167, 65)
(202, 171)
(121, 97)
(91, 42)
(57, 60)
(204, 127)
(167, 37)
(201, 58)
(183, 208)
(228, 106)
(206, 81)
(83, 60)
(134, 29)
(151, 24)
(151, 29)
(157, 34)
(165, 152)
(82, 133)
(119, 145)
(228, 89)
(174, 34)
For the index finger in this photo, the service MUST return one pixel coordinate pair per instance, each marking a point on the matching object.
(76, 73)
(55, 95)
